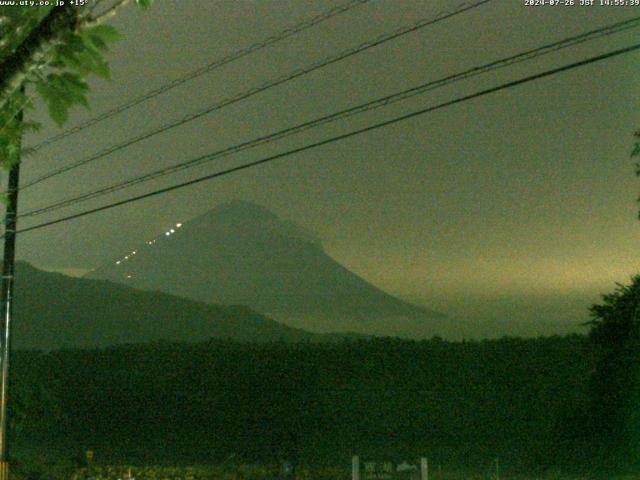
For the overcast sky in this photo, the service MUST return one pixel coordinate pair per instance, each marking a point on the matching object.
(527, 193)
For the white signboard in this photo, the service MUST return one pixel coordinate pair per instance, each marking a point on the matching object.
(370, 469)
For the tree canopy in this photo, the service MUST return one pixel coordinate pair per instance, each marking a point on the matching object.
(49, 52)
(615, 384)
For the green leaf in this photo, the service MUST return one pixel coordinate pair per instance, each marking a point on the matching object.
(75, 87)
(73, 41)
(144, 4)
(12, 152)
(98, 42)
(93, 62)
(75, 81)
(58, 111)
(101, 68)
(69, 58)
(106, 33)
(59, 90)
(44, 91)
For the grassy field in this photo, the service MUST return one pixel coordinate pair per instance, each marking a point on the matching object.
(202, 472)
(247, 472)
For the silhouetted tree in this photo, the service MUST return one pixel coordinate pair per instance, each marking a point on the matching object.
(635, 154)
(615, 384)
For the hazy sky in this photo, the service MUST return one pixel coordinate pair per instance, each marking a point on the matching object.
(525, 194)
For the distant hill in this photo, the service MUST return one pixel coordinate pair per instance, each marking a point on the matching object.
(241, 253)
(54, 311)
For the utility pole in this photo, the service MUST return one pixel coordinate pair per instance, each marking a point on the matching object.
(6, 306)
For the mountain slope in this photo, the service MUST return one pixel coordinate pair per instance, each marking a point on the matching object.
(54, 311)
(241, 253)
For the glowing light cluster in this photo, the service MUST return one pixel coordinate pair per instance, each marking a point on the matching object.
(171, 231)
(168, 233)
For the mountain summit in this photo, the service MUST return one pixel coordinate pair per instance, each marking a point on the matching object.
(242, 253)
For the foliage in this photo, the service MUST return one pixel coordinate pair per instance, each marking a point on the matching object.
(615, 384)
(616, 322)
(59, 75)
(78, 55)
(16, 22)
(635, 153)
(13, 127)
(144, 4)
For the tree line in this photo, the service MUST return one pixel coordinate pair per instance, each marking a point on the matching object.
(459, 403)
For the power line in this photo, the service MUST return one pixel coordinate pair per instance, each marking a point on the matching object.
(266, 86)
(344, 136)
(232, 57)
(371, 105)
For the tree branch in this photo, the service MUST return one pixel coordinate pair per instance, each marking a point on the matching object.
(111, 11)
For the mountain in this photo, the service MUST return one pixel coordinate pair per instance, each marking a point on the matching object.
(54, 311)
(242, 253)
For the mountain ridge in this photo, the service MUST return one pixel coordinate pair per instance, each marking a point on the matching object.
(54, 311)
(242, 253)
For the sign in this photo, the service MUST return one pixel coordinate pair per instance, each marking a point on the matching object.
(378, 471)
(387, 470)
